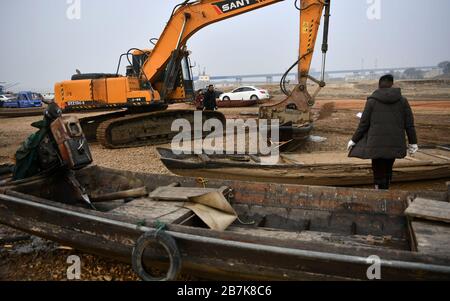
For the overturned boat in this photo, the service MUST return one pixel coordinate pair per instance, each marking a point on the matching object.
(319, 168)
(284, 232)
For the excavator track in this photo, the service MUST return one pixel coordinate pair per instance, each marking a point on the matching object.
(90, 124)
(145, 129)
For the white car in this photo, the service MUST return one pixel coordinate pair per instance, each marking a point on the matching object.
(4, 98)
(245, 93)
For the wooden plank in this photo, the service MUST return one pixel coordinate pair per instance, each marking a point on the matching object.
(327, 238)
(146, 209)
(180, 194)
(432, 238)
(429, 210)
(412, 159)
(435, 156)
(443, 148)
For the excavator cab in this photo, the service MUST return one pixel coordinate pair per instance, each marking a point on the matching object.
(187, 80)
(138, 59)
(176, 83)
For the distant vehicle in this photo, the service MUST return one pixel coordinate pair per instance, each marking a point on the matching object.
(4, 98)
(24, 99)
(246, 93)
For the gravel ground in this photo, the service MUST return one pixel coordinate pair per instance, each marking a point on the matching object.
(37, 259)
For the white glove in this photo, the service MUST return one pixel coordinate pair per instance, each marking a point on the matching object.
(351, 144)
(412, 149)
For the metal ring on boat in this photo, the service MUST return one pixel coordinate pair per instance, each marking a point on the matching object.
(169, 244)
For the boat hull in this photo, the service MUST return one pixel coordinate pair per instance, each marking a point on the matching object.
(343, 172)
(240, 253)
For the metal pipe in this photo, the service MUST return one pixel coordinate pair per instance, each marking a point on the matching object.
(186, 17)
(326, 27)
(322, 75)
(240, 245)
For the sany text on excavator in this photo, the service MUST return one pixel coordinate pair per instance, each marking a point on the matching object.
(156, 77)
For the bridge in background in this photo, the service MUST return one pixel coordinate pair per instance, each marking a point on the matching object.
(269, 77)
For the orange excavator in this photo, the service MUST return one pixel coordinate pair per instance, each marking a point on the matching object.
(159, 76)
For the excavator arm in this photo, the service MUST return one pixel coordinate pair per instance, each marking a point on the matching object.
(295, 110)
(190, 16)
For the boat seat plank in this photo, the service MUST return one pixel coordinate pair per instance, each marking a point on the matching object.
(429, 210)
(181, 194)
(149, 210)
(432, 238)
(324, 237)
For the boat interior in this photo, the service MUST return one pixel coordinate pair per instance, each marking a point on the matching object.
(317, 215)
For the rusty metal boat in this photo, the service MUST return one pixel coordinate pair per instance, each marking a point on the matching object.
(287, 232)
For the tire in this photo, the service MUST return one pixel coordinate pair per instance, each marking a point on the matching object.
(169, 244)
(254, 97)
(226, 98)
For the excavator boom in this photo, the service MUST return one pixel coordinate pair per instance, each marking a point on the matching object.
(187, 19)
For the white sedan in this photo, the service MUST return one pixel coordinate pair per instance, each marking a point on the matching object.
(5, 98)
(245, 93)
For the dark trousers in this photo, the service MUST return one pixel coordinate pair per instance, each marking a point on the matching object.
(382, 172)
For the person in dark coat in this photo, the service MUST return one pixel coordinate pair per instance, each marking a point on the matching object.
(209, 99)
(381, 132)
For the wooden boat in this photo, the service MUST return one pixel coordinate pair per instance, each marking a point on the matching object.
(236, 103)
(320, 168)
(298, 232)
(24, 112)
(230, 104)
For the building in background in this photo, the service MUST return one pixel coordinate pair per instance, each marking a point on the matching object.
(203, 81)
(434, 73)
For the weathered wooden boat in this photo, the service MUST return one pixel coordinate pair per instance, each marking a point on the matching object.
(236, 103)
(319, 168)
(24, 112)
(297, 232)
(229, 103)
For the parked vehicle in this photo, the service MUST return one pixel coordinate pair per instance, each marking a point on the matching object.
(24, 99)
(246, 93)
(4, 98)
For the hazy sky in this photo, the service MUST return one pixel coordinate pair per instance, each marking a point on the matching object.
(40, 45)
